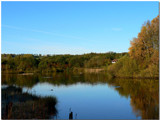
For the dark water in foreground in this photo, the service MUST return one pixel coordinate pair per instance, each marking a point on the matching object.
(92, 96)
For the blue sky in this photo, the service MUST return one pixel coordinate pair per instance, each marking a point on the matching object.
(72, 27)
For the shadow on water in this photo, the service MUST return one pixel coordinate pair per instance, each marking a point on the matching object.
(143, 94)
(18, 105)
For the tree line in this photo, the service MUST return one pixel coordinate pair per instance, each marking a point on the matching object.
(19, 63)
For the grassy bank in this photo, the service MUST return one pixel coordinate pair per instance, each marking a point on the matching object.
(18, 105)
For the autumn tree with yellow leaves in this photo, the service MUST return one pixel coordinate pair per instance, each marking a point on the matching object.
(146, 45)
(143, 59)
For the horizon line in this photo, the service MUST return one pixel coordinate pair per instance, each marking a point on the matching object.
(64, 54)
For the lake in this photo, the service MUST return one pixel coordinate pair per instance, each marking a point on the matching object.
(91, 96)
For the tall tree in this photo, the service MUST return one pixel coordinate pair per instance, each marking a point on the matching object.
(147, 43)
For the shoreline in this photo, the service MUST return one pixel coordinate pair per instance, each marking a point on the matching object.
(82, 71)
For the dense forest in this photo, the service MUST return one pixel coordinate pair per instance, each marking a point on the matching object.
(12, 63)
(143, 57)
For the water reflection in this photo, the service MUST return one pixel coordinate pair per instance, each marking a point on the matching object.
(144, 96)
(95, 90)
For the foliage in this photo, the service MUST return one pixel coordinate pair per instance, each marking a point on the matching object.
(55, 63)
(143, 59)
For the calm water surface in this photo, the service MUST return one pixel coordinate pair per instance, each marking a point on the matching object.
(92, 96)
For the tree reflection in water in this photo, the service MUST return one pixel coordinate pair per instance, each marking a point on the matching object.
(144, 96)
(144, 93)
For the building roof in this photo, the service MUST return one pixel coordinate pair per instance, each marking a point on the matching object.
(115, 60)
